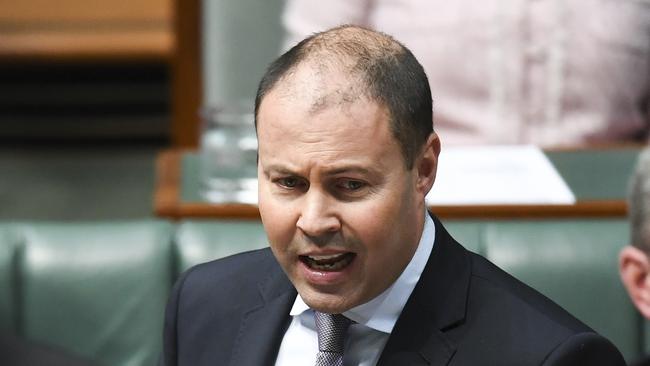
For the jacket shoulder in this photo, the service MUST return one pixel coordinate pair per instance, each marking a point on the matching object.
(526, 326)
(237, 274)
(486, 276)
(247, 264)
(210, 300)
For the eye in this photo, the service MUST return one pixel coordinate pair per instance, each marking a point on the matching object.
(351, 189)
(290, 182)
(351, 185)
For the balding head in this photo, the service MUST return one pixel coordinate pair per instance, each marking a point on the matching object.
(374, 66)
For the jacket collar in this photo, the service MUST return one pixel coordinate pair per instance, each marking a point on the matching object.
(263, 325)
(437, 304)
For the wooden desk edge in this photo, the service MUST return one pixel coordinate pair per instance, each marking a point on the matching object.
(583, 209)
(167, 202)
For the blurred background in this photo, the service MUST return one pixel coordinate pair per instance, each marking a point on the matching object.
(91, 91)
(85, 104)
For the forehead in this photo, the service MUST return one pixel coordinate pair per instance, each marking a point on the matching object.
(319, 85)
(322, 127)
(312, 91)
(323, 118)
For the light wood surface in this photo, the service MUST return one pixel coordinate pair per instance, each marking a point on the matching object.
(106, 30)
(138, 44)
(30, 12)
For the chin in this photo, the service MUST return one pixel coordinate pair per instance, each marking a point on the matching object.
(327, 303)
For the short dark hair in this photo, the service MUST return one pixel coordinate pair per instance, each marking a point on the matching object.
(391, 74)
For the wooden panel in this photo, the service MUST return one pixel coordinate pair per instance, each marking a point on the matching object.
(87, 11)
(118, 44)
(86, 29)
(187, 84)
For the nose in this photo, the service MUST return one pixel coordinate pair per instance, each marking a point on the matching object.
(317, 217)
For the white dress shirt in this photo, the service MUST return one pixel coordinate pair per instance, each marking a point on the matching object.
(374, 320)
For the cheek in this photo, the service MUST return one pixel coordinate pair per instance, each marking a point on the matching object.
(385, 226)
(375, 225)
(381, 215)
(278, 223)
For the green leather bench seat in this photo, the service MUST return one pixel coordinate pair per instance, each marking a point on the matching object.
(99, 289)
(200, 241)
(8, 243)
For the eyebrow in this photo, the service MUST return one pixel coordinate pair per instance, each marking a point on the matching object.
(333, 171)
(279, 169)
(348, 169)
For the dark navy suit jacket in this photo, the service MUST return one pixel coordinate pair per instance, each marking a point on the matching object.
(463, 311)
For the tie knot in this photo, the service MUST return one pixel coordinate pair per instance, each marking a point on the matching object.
(331, 329)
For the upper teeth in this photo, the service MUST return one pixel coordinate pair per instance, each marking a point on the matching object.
(324, 257)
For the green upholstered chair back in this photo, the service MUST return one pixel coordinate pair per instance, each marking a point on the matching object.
(97, 290)
(201, 240)
(8, 244)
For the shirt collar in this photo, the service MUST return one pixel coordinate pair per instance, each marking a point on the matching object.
(381, 313)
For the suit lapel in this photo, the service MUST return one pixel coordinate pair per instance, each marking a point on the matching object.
(436, 305)
(264, 324)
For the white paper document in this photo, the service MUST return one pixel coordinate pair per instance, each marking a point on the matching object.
(496, 175)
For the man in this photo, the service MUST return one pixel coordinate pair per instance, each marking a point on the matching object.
(358, 273)
(634, 263)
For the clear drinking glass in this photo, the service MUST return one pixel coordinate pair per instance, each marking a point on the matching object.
(228, 154)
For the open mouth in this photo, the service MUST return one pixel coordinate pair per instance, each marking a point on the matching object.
(333, 262)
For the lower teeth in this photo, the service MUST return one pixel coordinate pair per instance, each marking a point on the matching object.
(329, 266)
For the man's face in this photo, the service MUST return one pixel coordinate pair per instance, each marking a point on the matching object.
(342, 213)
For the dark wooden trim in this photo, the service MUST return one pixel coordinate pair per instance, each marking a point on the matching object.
(230, 211)
(584, 209)
(187, 85)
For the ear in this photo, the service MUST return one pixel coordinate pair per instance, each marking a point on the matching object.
(634, 268)
(426, 164)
